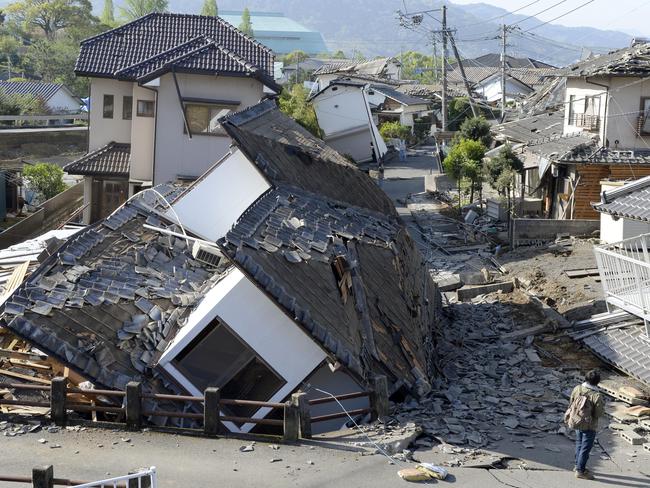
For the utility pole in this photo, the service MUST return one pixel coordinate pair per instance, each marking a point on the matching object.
(444, 67)
(434, 62)
(462, 73)
(503, 70)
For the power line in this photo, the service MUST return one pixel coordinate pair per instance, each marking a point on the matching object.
(560, 16)
(500, 16)
(540, 12)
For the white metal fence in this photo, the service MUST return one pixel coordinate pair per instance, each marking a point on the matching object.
(625, 273)
(142, 479)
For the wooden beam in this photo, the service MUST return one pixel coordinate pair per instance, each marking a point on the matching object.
(25, 377)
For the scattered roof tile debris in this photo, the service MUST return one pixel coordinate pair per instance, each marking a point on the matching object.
(630, 61)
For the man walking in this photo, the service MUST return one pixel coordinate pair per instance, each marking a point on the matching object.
(586, 407)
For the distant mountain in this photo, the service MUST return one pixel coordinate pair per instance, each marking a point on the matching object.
(371, 27)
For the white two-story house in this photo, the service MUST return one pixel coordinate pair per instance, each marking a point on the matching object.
(158, 86)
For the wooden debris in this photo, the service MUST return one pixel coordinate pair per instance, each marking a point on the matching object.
(25, 377)
(581, 273)
(638, 411)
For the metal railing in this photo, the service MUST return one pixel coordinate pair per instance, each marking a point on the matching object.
(624, 268)
(585, 121)
(141, 479)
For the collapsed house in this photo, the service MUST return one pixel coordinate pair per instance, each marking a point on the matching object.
(282, 268)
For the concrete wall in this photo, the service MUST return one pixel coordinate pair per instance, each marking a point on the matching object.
(623, 110)
(612, 230)
(142, 137)
(103, 131)
(491, 89)
(580, 89)
(178, 155)
(229, 188)
(526, 231)
(261, 325)
(355, 143)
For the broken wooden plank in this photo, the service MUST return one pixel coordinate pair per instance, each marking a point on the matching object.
(28, 356)
(29, 364)
(530, 331)
(15, 280)
(581, 272)
(467, 293)
(25, 377)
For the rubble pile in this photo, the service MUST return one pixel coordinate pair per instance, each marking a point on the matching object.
(493, 384)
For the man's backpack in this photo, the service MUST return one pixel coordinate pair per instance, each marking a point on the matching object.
(579, 415)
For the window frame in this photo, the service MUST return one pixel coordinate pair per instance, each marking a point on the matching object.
(220, 131)
(129, 105)
(216, 322)
(105, 113)
(140, 113)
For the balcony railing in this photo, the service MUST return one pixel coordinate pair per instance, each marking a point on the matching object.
(625, 274)
(585, 121)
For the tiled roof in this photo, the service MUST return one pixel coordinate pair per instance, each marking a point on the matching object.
(609, 156)
(289, 154)
(114, 159)
(398, 96)
(625, 348)
(548, 97)
(630, 201)
(477, 74)
(529, 129)
(429, 91)
(493, 60)
(287, 242)
(38, 89)
(375, 67)
(630, 61)
(109, 301)
(157, 36)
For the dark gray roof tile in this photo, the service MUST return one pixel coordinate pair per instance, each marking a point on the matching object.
(113, 159)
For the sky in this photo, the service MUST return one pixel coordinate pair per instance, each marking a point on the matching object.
(630, 16)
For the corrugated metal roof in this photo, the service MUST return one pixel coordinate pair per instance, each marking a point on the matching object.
(113, 159)
(158, 33)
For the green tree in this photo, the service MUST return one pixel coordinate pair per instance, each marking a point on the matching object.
(108, 15)
(51, 16)
(418, 66)
(45, 178)
(505, 161)
(296, 57)
(210, 8)
(294, 102)
(465, 160)
(134, 9)
(394, 130)
(476, 129)
(246, 25)
(339, 55)
(55, 61)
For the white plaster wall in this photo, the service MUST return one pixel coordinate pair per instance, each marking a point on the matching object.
(227, 189)
(491, 90)
(175, 153)
(623, 109)
(341, 109)
(612, 230)
(62, 101)
(142, 137)
(580, 89)
(261, 324)
(102, 131)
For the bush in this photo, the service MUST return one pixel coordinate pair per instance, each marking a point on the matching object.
(394, 130)
(294, 102)
(46, 179)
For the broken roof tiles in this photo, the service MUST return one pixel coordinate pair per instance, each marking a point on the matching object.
(629, 61)
(107, 305)
(287, 242)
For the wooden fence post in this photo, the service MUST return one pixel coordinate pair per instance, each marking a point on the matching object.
(379, 398)
(58, 391)
(304, 418)
(43, 477)
(211, 414)
(133, 405)
(291, 422)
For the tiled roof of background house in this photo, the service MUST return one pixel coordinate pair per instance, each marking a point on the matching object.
(603, 155)
(630, 61)
(113, 159)
(157, 33)
(288, 241)
(493, 60)
(375, 67)
(630, 201)
(398, 96)
(287, 153)
(39, 89)
(529, 76)
(529, 129)
(111, 298)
